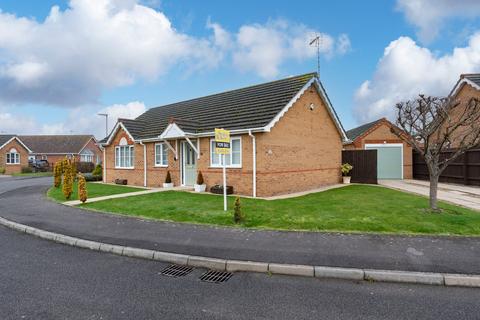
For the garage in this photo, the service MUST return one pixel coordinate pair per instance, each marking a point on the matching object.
(394, 156)
(389, 160)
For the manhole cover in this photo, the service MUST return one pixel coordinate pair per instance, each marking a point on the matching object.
(216, 276)
(176, 271)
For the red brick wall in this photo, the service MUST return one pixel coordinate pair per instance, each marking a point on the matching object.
(13, 168)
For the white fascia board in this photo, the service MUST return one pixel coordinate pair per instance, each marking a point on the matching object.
(19, 141)
(325, 99)
(114, 132)
(459, 85)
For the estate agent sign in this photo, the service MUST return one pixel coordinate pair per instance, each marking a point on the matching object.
(222, 147)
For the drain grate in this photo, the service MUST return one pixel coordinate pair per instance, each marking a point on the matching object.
(176, 271)
(216, 276)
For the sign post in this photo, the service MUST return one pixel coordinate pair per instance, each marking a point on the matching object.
(222, 148)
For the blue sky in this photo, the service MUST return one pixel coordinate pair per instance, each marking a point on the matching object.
(57, 74)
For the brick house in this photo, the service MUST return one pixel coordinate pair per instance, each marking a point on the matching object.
(13, 154)
(285, 137)
(54, 148)
(466, 88)
(394, 156)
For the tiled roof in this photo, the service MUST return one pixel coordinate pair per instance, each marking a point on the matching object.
(4, 138)
(474, 77)
(247, 108)
(354, 133)
(63, 144)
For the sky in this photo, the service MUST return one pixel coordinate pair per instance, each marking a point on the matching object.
(63, 62)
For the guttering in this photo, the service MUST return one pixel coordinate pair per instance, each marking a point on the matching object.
(254, 170)
(144, 164)
(104, 151)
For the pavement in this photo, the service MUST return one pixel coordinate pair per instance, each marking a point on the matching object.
(43, 280)
(24, 201)
(465, 196)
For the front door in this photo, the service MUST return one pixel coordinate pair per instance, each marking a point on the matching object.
(189, 160)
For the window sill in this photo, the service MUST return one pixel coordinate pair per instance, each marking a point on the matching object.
(160, 166)
(228, 167)
(124, 168)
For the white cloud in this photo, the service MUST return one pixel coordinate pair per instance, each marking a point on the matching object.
(80, 120)
(72, 56)
(406, 70)
(263, 48)
(429, 15)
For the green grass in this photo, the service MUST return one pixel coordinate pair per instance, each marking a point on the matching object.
(93, 189)
(355, 208)
(33, 174)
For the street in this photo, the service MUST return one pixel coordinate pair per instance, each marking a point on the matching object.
(46, 280)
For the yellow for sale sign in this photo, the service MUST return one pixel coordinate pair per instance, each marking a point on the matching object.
(222, 141)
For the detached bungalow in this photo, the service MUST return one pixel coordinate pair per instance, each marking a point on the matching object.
(54, 148)
(285, 137)
(13, 154)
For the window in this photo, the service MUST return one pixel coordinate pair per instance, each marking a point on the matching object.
(86, 156)
(161, 155)
(232, 160)
(124, 157)
(13, 157)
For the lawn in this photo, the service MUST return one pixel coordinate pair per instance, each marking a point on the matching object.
(93, 189)
(355, 208)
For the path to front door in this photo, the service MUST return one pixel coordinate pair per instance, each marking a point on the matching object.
(189, 164)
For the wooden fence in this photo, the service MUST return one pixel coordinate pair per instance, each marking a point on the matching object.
(464, 170)
(364, 164)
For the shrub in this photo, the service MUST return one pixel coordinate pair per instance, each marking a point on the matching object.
(346, 168)
(82, 188)
(67, 187)
(73, 165)
(92, 177)
(200, 178)
(168, 178)
(98, 171)
(237, 211)
(26, 170)
(2, 170)
(85, 167)
(57, 174)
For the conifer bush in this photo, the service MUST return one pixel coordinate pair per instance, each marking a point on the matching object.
(238, 216)
(168, 178)
(57, 174)
(67, 187)
(82, 188)
(200, 178)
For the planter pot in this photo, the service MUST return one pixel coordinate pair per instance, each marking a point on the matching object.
(346, 180)
(168, 185)
(199, 187)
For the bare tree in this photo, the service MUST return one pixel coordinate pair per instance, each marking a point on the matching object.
(434, 125)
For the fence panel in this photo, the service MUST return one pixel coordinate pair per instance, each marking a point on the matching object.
(364, 164)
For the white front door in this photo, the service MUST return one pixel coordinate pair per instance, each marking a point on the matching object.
(189, 164)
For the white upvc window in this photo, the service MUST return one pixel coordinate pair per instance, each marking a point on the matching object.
(86, 156)
(161, 155)
(124, 157)
(232, 160)
(13, 157)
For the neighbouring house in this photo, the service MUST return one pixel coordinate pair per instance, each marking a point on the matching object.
(285, 137)
(13, 154)
(394, 156)
(466, 88)
(54, 148)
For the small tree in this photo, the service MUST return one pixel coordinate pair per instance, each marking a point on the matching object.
(67, 187)
(238, 216)
(57, 174)
(73, 164)
(433, 125)
(168, 178)
(98, 171)
(200, 178)
(82, 188)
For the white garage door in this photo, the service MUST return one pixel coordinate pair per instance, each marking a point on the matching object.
(389, 160)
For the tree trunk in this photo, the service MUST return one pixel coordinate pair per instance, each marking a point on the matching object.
(433, 192)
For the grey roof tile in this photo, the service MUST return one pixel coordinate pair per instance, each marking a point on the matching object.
(68, 144)
(354, 133)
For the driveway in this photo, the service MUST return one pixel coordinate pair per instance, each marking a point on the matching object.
(466, 196)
